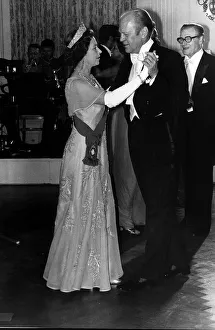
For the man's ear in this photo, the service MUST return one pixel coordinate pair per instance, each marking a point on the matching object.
(144, 32)
(202, 40)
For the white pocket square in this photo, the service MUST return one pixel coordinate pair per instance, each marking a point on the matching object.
(204, 81)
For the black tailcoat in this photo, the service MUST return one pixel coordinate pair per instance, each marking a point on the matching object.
(150, 143)
(199, 144)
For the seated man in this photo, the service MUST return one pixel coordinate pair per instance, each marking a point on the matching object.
(50, 65)
(32, 63)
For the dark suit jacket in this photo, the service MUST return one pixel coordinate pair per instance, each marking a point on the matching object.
(167, 95)
(199, 125)
(203, 92)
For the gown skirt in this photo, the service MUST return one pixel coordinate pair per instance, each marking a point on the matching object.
(84, 252)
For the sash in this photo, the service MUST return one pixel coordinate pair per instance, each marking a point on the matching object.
(93, 138)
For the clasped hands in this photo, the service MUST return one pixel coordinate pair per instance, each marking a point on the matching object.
(150, 61)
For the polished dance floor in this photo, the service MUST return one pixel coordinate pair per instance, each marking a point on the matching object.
(27, 213)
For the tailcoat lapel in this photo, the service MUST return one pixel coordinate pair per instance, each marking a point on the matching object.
(200, 74)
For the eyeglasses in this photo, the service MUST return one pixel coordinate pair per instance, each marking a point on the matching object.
(188, 39)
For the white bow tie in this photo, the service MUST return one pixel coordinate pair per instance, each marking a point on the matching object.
(137, 57)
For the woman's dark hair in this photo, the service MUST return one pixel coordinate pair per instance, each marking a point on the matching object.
(72, 56)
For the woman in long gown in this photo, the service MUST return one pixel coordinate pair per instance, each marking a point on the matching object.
(84, 252)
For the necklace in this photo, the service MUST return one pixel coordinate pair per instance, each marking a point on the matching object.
(91, 79)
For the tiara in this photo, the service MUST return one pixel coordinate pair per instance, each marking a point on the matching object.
(79, 33)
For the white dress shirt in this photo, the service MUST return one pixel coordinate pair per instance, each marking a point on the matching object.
(191, 65)
(137, 61)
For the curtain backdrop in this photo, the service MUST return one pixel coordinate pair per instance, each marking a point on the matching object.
(34, 20)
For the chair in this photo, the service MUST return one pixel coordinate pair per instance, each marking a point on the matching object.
(31, 127)
(32, 102)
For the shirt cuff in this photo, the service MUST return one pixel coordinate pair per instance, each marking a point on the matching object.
(150, 80)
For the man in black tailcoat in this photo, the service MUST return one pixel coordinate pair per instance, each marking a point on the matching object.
(152, 125)
(199, 133)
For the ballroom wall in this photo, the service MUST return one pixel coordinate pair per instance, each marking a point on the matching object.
(169, 15)
(25, 21)
(35, 20)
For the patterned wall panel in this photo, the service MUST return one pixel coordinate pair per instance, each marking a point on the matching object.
(35, 20)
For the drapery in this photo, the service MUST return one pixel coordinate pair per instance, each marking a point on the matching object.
(34, 20)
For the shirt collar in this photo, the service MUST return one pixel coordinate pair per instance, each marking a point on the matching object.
(107, 49)
(195, 59)
(145, 48)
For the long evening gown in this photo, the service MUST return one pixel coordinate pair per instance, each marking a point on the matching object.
(84, 252)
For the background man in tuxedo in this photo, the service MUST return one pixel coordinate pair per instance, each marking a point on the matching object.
(199, 129)
(110, 57)
(153, 112)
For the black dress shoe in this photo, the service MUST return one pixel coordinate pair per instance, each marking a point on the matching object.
(131, 285)
(199, 232)
(131, 231)
(194, 229)
(128, 285)
(185, 271)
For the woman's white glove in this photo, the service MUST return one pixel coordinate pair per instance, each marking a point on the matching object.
(114, 98)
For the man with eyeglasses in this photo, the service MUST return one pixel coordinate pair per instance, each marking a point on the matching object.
(199, 130)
